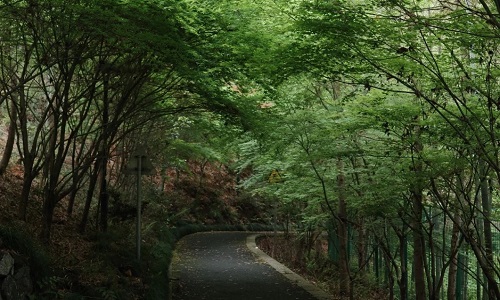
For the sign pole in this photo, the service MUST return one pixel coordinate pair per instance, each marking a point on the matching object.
(139, 165)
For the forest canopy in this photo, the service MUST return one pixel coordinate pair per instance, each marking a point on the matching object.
(381, 118)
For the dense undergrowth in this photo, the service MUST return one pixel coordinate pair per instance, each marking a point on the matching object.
(314, 264)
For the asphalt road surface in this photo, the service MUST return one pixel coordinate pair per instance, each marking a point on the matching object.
(220, 266)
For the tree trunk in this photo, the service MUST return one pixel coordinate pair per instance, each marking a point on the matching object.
(455, 242)
(90, 195)
(71, 201)
(418, 247)
(25, 194)
(453, 269)
(362, 247)
(74, 180)
(11, 138)
(342, 233)
(361, 240)
(28, 159)
(28, 178)
(104, 200)
(403, 256)
(487, 233)
(417, 214)
(51, 176)
(103, 157)
(49, 203)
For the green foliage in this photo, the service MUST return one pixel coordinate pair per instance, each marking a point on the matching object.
(402, 94)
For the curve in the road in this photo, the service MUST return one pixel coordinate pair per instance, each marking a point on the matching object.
(219, 266)
(292, 276)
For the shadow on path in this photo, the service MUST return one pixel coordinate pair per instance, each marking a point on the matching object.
(219, 266)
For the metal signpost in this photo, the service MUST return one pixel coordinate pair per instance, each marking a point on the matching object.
(139, 164)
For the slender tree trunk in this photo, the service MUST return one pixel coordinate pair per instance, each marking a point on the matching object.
(11, 139)
(9, 146)
(418, 250)
(403, 257)
(71, 201)
(453, 269)
(28, 159)
(49, 203)
(104, 200)
(418, 247)
(417, 198)
(103, 157)
(455, 241)
(28, 178)
(392, 266)
(48, 214)
(90, 194)
(25, 195)
(488, 272)
(487, 233)
(440, 271)
(75, 184)
(48, 164)
(74, 180)
(361, 240)
(430, 264)
(361, 246)
(342, 232)
(75, 187)
(391, 280)
(51, 176)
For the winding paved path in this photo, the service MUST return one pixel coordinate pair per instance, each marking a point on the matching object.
(223, 266)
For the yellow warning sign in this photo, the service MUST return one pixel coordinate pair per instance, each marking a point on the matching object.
(275, 176)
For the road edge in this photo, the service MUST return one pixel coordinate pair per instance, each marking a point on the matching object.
(289, 274)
